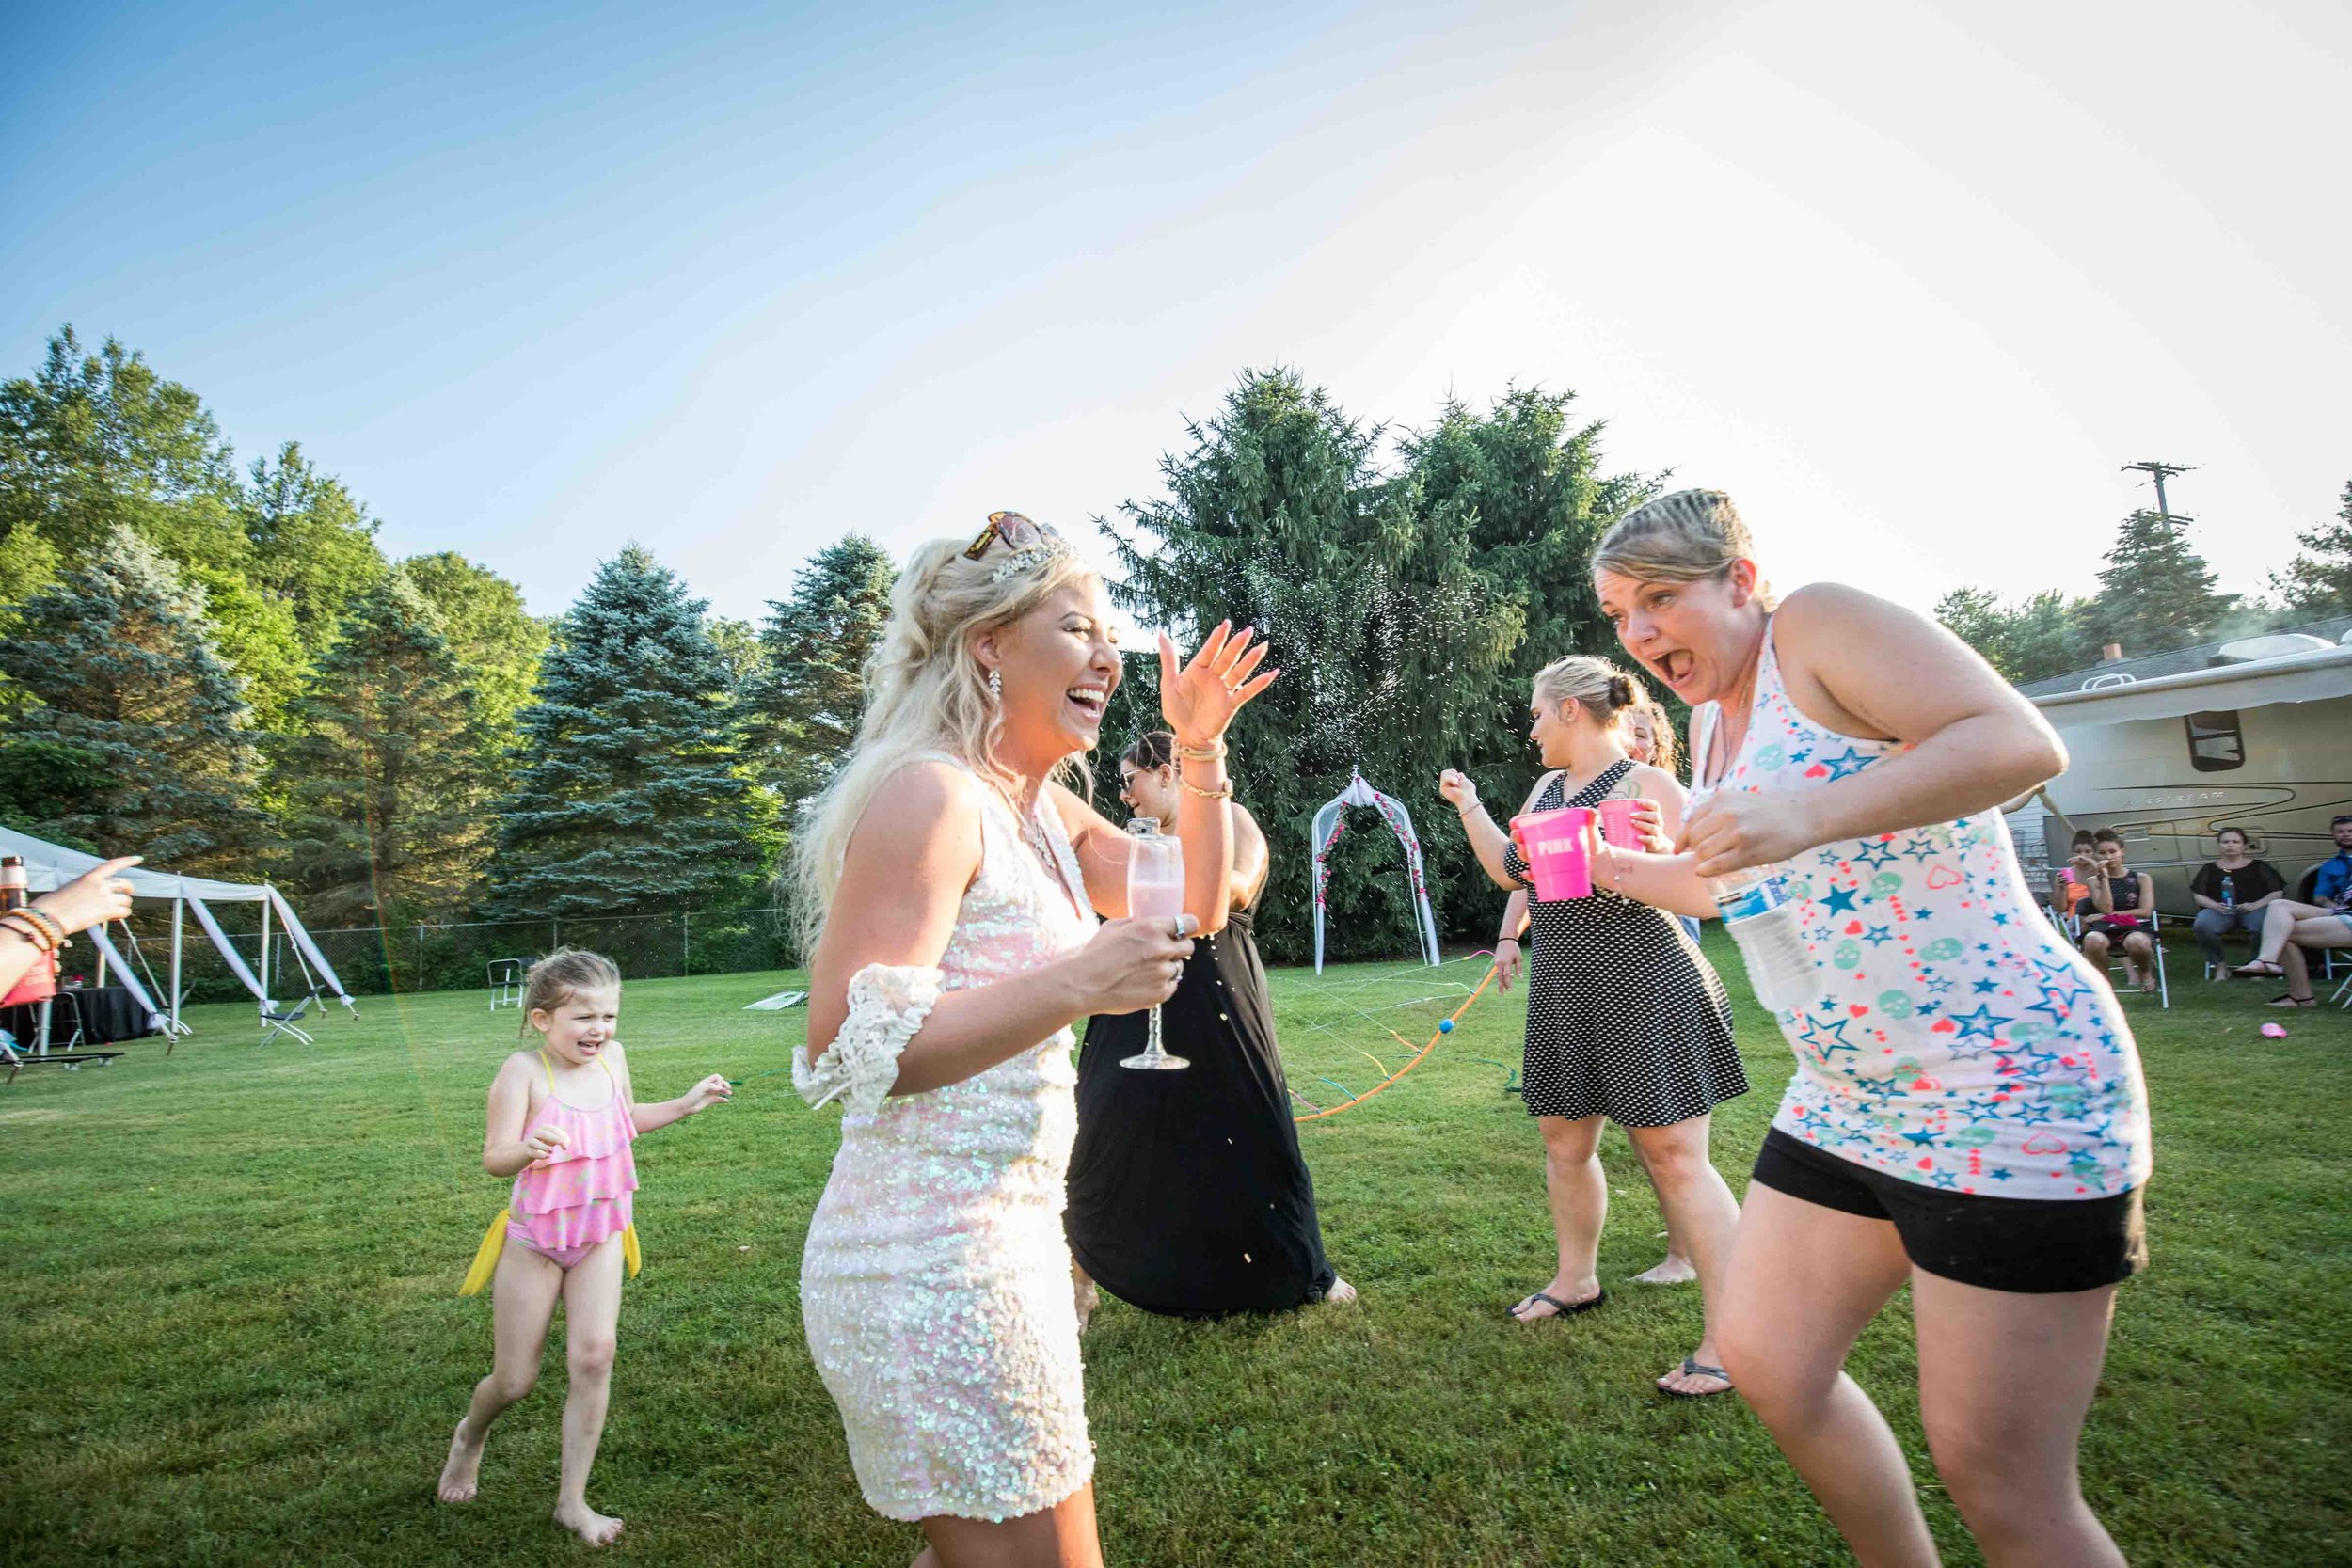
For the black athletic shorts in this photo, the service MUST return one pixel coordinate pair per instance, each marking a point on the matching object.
(2031, 1245)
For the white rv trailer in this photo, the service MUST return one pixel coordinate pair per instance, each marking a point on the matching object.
(2261, 738)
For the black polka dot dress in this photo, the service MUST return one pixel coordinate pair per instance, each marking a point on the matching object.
(1625, 1019)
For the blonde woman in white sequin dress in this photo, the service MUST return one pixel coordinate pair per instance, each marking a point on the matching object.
(953, 889)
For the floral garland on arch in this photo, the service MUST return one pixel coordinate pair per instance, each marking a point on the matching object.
(1332, 820)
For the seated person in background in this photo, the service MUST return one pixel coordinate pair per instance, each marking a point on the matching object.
(2115, 910)
(2288, 926)
(2065, 892)
(2232, 893)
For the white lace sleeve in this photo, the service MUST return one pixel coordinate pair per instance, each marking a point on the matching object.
(888, 1004)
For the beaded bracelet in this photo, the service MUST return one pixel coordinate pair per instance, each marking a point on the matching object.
(31, 930)
(1202, 753)
(47, 922)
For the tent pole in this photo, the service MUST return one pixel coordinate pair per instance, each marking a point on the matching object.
(179, 922)
(264, 969)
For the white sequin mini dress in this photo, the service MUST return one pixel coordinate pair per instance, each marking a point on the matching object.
(935, 1288)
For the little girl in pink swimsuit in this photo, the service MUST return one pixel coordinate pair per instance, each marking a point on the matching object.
(561, 1120)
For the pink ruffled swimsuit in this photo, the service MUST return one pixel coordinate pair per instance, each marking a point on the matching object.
(581, 1196)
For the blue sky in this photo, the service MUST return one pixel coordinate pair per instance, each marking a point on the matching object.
(1910, 280)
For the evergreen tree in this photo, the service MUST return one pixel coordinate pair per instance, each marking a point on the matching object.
(1388, 641)
(2157, 593)
(1534, 504)
(390, 783)
(2318, 581)
(2042, 636)
(808, 695)
(628, 797)
(114, 663)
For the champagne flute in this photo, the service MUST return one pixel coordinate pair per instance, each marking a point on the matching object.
(1155, 891)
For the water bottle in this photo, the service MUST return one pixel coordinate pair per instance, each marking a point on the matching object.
(2229, 891)
(1762, 919)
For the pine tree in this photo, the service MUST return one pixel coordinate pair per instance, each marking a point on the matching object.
(2318, 581)
(389, 785)
(1388, 641)
(806, 700)
(1534, 504)
(2157, 593)
(629, 796)
(115, 663)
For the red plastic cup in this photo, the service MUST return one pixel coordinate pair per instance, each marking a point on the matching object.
(1553, 843)
(1616, 823)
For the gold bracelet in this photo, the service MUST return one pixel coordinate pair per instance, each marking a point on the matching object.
(1225, 794)
(1202, 753)
(24, 935)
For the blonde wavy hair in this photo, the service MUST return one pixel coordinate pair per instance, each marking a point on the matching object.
(925, 692)
(1688, 536)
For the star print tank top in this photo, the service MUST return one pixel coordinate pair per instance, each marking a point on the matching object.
(1956, 1040)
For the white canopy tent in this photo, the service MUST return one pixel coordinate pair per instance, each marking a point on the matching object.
(49, 867)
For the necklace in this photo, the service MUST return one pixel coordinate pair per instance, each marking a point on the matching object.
(1033, 834)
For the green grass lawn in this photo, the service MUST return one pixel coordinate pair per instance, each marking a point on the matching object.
(232, 1334)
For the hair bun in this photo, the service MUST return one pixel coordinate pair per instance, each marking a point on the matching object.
(1621, 692)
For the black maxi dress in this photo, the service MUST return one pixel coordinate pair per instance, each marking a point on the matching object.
(1188, 1194)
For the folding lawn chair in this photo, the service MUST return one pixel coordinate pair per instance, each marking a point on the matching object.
(275, 1023)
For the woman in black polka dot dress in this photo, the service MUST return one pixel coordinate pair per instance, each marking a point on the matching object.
(1625, 1020)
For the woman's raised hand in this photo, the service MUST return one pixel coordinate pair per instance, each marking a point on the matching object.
(1200, 699)
(99, 895)
(1456, 788)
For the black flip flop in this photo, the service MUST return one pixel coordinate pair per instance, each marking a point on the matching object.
(1559, 1308)
(2291, 1002)
(1693, 1367)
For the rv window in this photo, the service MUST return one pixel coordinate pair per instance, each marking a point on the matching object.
(2214, 744)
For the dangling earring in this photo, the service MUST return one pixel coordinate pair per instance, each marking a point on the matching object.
(997, 687)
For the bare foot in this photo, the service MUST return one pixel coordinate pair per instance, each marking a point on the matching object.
(1675, 1270)
(1340, 1294)
(1695, 1379)
(596, 1528)
(461, 1475)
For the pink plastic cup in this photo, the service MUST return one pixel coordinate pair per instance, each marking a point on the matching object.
(1616, 823)
(1553, 843)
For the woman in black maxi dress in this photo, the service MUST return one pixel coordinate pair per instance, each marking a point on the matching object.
(1188, 1194)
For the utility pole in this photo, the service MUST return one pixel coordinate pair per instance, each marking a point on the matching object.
(2160, 472)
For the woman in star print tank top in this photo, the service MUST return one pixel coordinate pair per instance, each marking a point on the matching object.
(1968, 1115)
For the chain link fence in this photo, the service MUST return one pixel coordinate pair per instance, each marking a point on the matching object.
(379, 960)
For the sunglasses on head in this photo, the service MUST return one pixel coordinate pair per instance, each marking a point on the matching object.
(1017, 531)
